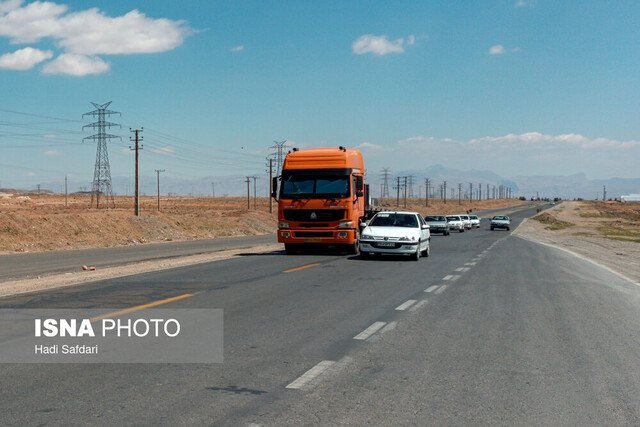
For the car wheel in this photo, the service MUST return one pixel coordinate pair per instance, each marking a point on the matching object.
(462, 230)
(416, 255)
(507, 228)
(427, 251)
(491, 228)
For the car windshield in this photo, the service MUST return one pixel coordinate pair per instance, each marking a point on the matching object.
(453, 218)
(473, 217)
(315, 186)
(500, 217)
(434, 218)
(394, 220)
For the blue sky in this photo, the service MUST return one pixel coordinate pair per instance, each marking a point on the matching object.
(518, 87)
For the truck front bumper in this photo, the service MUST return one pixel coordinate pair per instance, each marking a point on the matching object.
(333, 236)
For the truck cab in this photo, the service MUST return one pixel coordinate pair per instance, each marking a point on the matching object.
(321, 198)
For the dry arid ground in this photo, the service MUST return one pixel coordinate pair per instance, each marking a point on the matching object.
(44, 222)
(605, 232)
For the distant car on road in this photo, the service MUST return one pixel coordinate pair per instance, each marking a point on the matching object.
(500, 222)
(466, 221)
(396, 233)
(438, 224)
(475, 221)
(455, 223)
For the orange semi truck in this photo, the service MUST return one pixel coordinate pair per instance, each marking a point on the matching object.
(322, 198)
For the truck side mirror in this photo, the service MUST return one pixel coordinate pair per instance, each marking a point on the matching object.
(274, 187)
(359, 186)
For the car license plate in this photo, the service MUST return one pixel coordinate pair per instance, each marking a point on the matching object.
(386, 244)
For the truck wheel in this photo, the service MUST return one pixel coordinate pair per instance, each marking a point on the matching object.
(290, 248)
(364, 255)
(352, 249)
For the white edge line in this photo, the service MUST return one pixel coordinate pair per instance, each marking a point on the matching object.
(432, 288)
(406, 304)
(441, 289)
(582, 257)
(369, 331)
(311, 374)
(447, 277)
(419, 305)
(391, 326)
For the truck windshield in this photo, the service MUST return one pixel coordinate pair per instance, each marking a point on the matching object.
(315, 187)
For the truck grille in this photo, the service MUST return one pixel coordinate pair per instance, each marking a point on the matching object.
(313, 234)
(307, 215)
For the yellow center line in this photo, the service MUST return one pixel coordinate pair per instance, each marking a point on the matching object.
(300, 268)
(140, 307)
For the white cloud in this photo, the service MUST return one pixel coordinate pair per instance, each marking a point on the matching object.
(163, 150)
(24, 59)
(237, 48)
(89, 32)
(378, 45)
(411, 40)
(76, 65)
(496, 50)
(52, 153)
(524, 3)
(31, 174)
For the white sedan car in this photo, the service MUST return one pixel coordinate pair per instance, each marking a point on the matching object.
(456, 223)
(399, 233)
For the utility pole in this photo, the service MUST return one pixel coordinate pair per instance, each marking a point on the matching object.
(158, 173)
(248, 193)
(426, 198)
(444, 192)
(66, 204)
(405, 192)
(459, 194)
(270, 185)
(604, 193)
(398, 193)
(213, 190)
(470, 192)
(255, 197)
(137, 149)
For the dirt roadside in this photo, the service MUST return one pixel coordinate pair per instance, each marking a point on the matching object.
(605, 233)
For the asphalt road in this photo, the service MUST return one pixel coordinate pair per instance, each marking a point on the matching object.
(21, 266)
(511, 333)
(28, 265)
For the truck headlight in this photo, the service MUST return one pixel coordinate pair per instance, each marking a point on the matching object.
(283, 224)
(345, 224)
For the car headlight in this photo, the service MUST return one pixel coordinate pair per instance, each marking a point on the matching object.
(367, 237)
(345, 224)
(283, 224)
(406, 239)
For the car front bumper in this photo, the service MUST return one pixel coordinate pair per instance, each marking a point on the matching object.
(399, 248)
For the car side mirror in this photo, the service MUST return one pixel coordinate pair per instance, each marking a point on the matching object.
(426, 227)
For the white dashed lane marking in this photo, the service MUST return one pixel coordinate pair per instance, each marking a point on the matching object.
(369, 331)
(312, 373)
(406, 304)
(432, 288)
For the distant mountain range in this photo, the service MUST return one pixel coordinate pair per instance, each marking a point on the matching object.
(566, 187)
